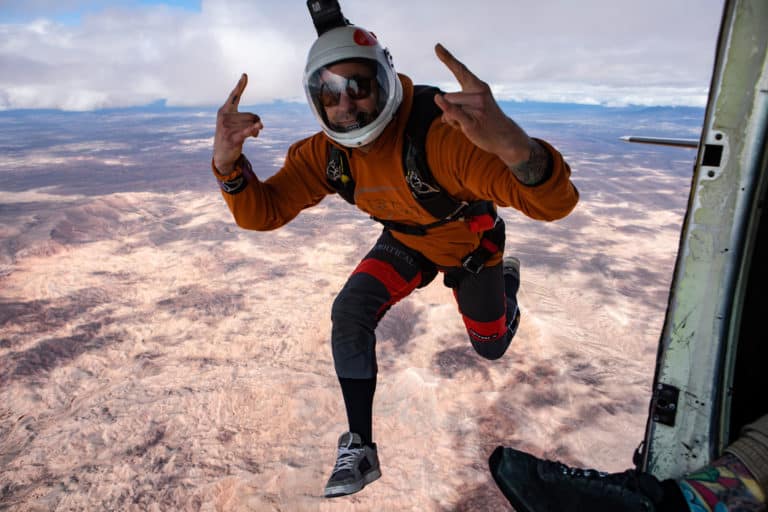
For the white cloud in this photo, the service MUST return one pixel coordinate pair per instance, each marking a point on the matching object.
(601, 51)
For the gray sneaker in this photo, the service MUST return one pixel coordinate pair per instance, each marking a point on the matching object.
(356, 466)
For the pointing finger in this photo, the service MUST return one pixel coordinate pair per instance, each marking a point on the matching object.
(234, 97)
(466, 78)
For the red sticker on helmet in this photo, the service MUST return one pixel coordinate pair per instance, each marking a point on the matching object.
(364, 38)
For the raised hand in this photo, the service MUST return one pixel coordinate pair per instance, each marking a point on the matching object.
(475, 112)
(232, 128)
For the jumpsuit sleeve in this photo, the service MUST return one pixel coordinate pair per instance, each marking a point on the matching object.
(270, 204)
(474, 174)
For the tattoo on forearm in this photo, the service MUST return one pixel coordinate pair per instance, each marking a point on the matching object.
(538, 167)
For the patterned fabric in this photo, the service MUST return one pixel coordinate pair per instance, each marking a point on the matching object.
(724, 486)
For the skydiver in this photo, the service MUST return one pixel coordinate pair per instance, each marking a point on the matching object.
(477, 156)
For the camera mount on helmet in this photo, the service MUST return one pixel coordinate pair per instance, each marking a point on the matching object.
(326, 14)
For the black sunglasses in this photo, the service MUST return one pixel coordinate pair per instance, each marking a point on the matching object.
(356, 87)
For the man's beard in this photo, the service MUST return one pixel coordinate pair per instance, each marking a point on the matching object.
(361, 119)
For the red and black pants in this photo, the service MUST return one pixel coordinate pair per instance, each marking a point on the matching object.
(390, 272)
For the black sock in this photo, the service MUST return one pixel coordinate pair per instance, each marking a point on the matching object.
(358, 399)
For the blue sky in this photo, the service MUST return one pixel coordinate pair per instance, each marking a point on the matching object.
(71, 13)
(90, 54)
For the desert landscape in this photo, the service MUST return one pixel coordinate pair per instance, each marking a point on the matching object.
(154, 356)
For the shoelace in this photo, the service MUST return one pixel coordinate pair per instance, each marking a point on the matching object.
(581, 473)
(622, 485)
(346, 458)
(625, 481)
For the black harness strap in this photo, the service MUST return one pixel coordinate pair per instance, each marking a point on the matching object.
(464, 211)
(418, 175)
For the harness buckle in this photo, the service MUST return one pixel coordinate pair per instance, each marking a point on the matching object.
(472, 264)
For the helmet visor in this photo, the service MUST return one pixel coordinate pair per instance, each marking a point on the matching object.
(356, 87)
(350, 94)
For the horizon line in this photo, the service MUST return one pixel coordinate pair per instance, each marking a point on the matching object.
(161, 105)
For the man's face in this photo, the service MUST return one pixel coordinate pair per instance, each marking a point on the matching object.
(350, 94)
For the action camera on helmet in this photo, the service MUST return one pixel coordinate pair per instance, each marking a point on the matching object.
(326, 14)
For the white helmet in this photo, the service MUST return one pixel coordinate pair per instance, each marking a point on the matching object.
(356, 44)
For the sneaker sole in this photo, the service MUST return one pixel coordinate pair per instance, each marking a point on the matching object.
(351, 488)
(515, 323)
